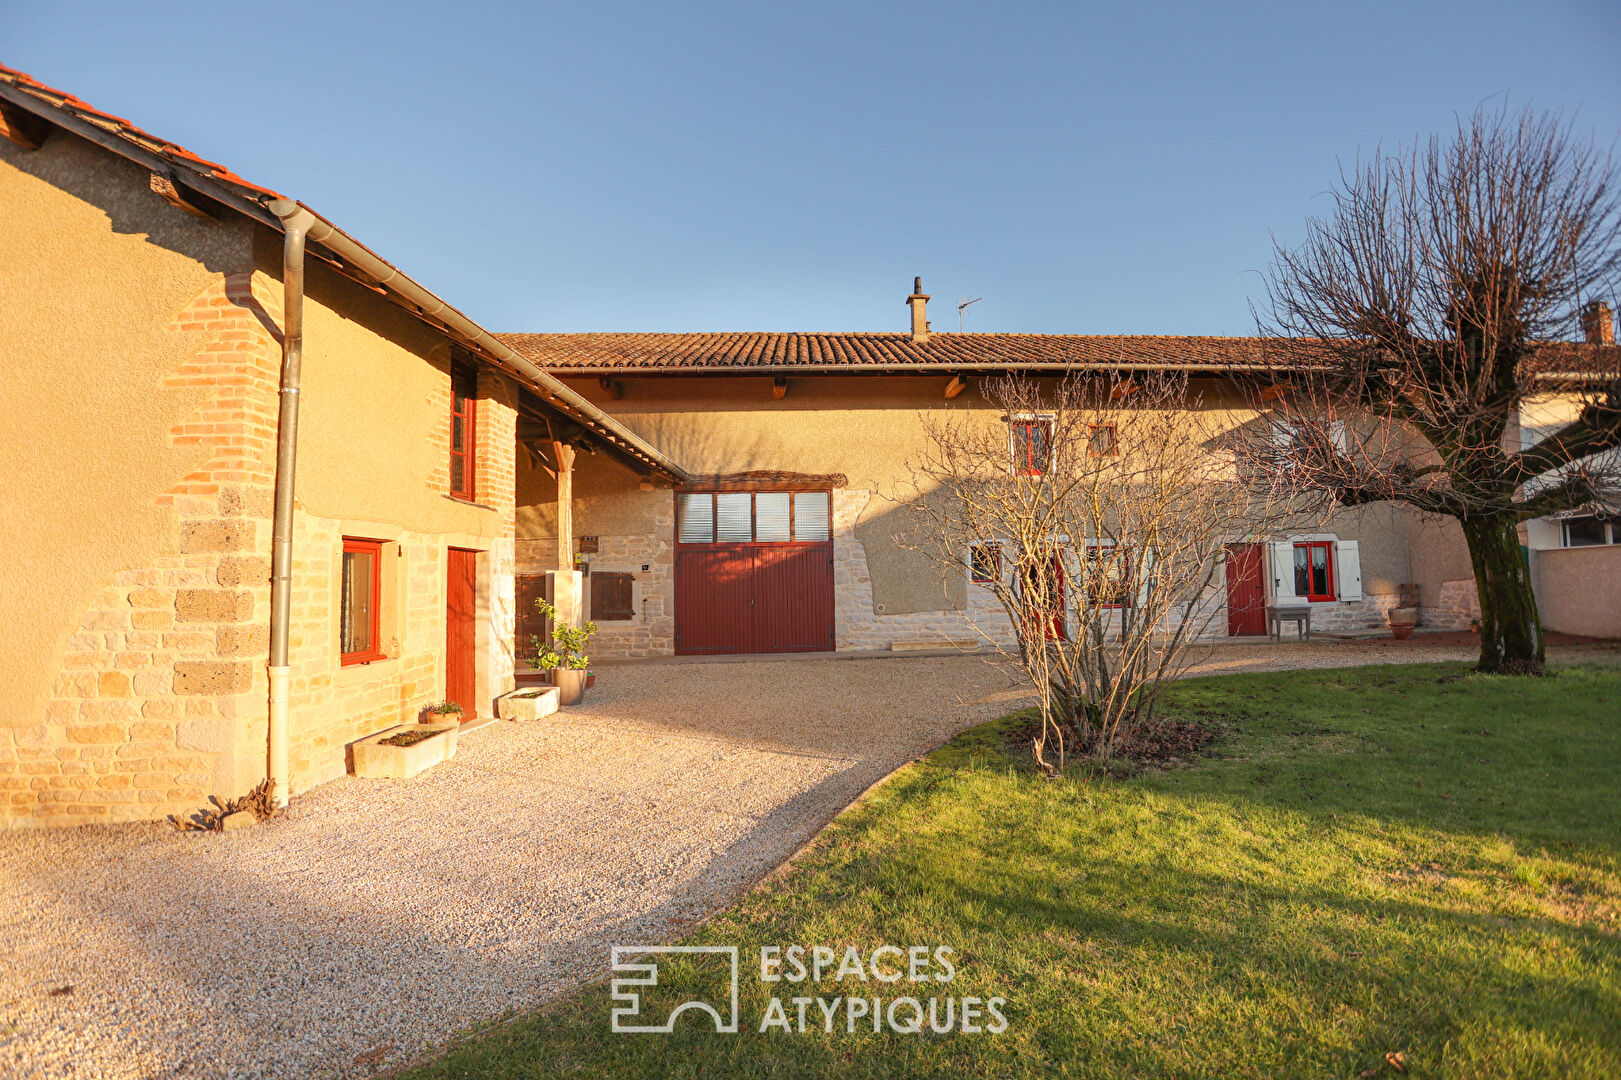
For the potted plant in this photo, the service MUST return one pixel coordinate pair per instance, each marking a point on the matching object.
(442, 710)
(564, 657)
(1402, 620)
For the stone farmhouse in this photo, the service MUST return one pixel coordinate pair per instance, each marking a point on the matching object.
(302, 498)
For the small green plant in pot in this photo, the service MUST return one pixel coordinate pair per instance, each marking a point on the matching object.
(564, 656)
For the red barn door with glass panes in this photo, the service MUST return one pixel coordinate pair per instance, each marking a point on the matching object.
(461, 603)
(753, 572)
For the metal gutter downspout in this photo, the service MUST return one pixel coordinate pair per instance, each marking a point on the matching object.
(296, 222)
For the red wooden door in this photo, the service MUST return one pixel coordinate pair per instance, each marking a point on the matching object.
(793, 598)
(460, 630)
(1246, 593)
(754, 573)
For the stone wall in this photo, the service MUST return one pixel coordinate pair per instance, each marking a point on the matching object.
(1457, 606)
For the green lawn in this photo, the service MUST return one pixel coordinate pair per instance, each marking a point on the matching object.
(1402, 859)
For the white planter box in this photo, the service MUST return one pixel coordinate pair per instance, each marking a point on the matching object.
(529, 703)
(379, 762)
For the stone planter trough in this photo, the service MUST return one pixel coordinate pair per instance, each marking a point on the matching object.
(527, 703)
(377, 761)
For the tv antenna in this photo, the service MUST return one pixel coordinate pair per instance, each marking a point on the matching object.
(963, 304)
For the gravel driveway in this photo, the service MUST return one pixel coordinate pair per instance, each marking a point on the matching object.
(376, 917)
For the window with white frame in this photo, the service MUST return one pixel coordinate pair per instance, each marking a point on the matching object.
(985, 563)
(1588, 530)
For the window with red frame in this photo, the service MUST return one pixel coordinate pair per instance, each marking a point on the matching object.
(1032, 446)
(1314, 570)
(1102, 440)
(1108, 575)
(463, 430)
(362, 597)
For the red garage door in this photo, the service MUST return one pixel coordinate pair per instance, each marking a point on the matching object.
(753, 572)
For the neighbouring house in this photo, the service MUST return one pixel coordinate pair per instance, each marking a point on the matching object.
(143, 297)
(269, 495)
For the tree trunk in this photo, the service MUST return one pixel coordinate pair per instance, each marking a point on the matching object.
(1510, 626)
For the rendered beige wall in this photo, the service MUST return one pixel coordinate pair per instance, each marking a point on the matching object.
(867, 428)
(93, 269)
(1579, 590)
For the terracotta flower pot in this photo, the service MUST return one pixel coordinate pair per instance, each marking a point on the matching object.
(1402, 621)
(570, 685)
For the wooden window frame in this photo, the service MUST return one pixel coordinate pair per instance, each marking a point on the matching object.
(994, 550)
(357, 545)
(1092, 433)
(1129, 589)
(1019, 445)
(793, 516)
(467, 378)
(1328, 567)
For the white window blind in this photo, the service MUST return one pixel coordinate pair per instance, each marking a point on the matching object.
(733, 517)
(697, 519)
(771, 517)
(812, 516)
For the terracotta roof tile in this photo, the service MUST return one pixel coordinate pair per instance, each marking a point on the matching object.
(789, 351)
(607, 353)
(117, 125)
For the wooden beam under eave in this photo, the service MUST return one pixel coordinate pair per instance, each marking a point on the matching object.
(179, 198)
(779, 387)
(956, 386)
(22, 127)
(614, 387)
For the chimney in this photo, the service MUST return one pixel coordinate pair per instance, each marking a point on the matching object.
(919, 303)
(1598, 323)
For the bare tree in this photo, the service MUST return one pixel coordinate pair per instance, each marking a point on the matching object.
(1096, 512)
(1416, 320)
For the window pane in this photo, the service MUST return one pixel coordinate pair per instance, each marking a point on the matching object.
(983, 563)
(458, 472)
(732, 517)
(355, 622)
(458, 433)
(811, 516)
(1302, 574)
(771, 516)
(1584, 532)
(1102, 442)
(697, 514)
(1319, 571)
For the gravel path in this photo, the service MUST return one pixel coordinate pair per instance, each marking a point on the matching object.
(376, 917)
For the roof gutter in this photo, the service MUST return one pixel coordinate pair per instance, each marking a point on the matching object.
(470, 333)
(932, 368)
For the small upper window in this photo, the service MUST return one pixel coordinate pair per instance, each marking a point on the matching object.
(985, 563)
(1102, 440)
(1588, 532)
(463, 425)
(1032, 446)
(359, 603)
(1314, 570)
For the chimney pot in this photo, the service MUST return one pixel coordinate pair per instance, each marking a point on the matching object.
(1598, 323)
(919, 303)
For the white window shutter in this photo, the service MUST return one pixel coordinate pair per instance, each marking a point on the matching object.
(1283, 568)
(1145, 578)
(1348, 568)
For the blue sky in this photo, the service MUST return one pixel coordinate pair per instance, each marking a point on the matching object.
(1087, 168)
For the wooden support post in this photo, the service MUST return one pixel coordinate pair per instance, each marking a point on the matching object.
(956, 386)
(563, 459)
(779, 387)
